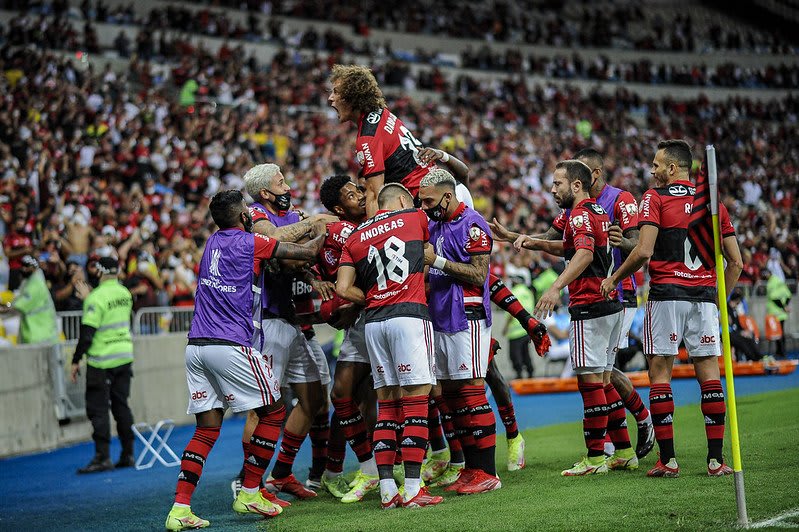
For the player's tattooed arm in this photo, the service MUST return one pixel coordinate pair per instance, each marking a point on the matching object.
(626, 240)
(474, 272)
(552, 234)
(506, 235)
(306, 252)
(292, 232)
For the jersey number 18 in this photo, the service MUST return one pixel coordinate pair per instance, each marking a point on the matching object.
(390, 263)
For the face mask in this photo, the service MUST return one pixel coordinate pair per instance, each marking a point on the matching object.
(282, 201)
(248, 222)
(439, 212)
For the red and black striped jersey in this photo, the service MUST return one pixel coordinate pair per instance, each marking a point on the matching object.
(329, 255)
(587, 228)
(675, 270)
(621, 207)
(385, 146)
(387, 252)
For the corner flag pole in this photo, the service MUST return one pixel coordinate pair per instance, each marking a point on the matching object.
(740, 492)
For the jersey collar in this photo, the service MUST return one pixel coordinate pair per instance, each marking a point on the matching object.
(583, 202)
(458, 211)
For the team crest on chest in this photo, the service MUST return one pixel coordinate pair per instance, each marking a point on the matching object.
(474, 232)
(373, 118)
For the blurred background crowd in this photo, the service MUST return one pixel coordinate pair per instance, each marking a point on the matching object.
(99, 161)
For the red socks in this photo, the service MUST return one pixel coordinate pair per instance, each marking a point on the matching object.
(191, 465)
(661, 404)
(595, 416)
(617, 419)
(262, 447)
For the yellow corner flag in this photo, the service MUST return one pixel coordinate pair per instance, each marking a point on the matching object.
(737, 465)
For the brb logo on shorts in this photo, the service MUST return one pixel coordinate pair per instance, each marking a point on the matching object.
(707, 339)
(404, 368)
(199, 395)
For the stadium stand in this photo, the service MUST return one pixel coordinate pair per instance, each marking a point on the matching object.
(195, 116)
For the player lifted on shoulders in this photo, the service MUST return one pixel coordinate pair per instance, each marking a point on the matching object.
(222, 368)
(622, 211)
(386, 150)
(386, 257)
(681, 305)
(595, 322)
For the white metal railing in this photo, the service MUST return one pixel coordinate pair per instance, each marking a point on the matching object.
(69, 323)
(146, 321)
(162, 320)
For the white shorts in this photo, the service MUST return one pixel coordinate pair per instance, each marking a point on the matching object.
(667, 323)
(222, 376)
(353, 348)
(629, 316)
(594, 343)
(288, 353)
(321, 360)
(464, 354)
(401, 351)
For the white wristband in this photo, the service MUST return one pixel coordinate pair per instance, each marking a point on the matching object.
(444, 157)
(439, 263)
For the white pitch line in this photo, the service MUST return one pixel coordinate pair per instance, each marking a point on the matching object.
(775, 521)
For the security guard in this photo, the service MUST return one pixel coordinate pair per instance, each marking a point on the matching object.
(105, 337)
(35, 305)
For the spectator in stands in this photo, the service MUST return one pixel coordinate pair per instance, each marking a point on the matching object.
(71, 289)
(34, 304)
(16, 245)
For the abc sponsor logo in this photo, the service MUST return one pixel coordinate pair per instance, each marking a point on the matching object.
(404, 368)
(199, 395)
(380, 370)
(673, 337)
(707, 339)
(229, 398)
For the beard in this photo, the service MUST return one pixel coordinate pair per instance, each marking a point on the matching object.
(565, 202)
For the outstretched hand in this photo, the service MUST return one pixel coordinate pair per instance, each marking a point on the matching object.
(502, 233)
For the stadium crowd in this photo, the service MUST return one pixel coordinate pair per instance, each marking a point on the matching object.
(74, 185)
(151, 40)
(623, 25)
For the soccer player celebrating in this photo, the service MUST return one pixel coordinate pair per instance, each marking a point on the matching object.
(461, 312)
(386, 150)
(386, 256)
(341, 196)
(622, 211)
(290, 357)
(595, 322)
(682, 299)
(222, 368)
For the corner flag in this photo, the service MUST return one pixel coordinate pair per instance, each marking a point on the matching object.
(712, 195)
